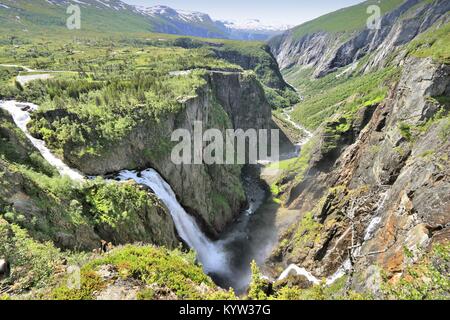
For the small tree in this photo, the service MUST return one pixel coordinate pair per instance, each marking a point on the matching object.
(19, 86)
(258, 284)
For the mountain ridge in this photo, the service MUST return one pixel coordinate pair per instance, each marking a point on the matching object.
(328, 50)
(116, 15)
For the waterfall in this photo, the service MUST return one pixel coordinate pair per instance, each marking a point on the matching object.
(21, 116)
(210, 254)
(374, 223)
(294, 269)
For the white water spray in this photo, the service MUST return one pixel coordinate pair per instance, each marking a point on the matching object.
(21, 116)
(210, 254)
(342, 271)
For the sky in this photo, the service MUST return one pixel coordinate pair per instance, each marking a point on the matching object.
(291, 12)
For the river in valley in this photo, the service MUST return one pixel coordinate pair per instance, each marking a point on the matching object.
(251, 237)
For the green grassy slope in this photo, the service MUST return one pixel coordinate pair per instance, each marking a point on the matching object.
(434, 43)
(329, 95)
(344, 20)
(35, 16)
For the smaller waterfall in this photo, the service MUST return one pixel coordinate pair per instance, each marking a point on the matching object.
(21, 116)
(376, 220)
(210, 254)
(307, 134)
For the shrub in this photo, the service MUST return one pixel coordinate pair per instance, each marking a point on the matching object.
(33, 263)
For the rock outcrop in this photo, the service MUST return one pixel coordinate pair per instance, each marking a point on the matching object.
(264, 64)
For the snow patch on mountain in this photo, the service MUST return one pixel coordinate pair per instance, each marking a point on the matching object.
(169, 13)
(248, 26)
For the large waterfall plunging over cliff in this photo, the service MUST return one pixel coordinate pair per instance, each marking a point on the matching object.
(210, 254)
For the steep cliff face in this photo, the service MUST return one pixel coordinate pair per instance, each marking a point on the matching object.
(214, 193)
(256, 56)
(327, 51)
(374, 193)
(262, 62)
(385, 198)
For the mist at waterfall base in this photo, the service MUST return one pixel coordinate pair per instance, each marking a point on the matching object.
(228, 259)
(251, 237)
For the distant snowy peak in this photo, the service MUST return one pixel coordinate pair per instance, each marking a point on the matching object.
(199, 17)
(255, 25)
(169, 13)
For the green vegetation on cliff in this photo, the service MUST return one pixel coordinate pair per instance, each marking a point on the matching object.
(331, 95)
(50, 207)
(34, 262)
(344, 20)
(41, 271)
(108, 87)
(434, 43)
(93, 117)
